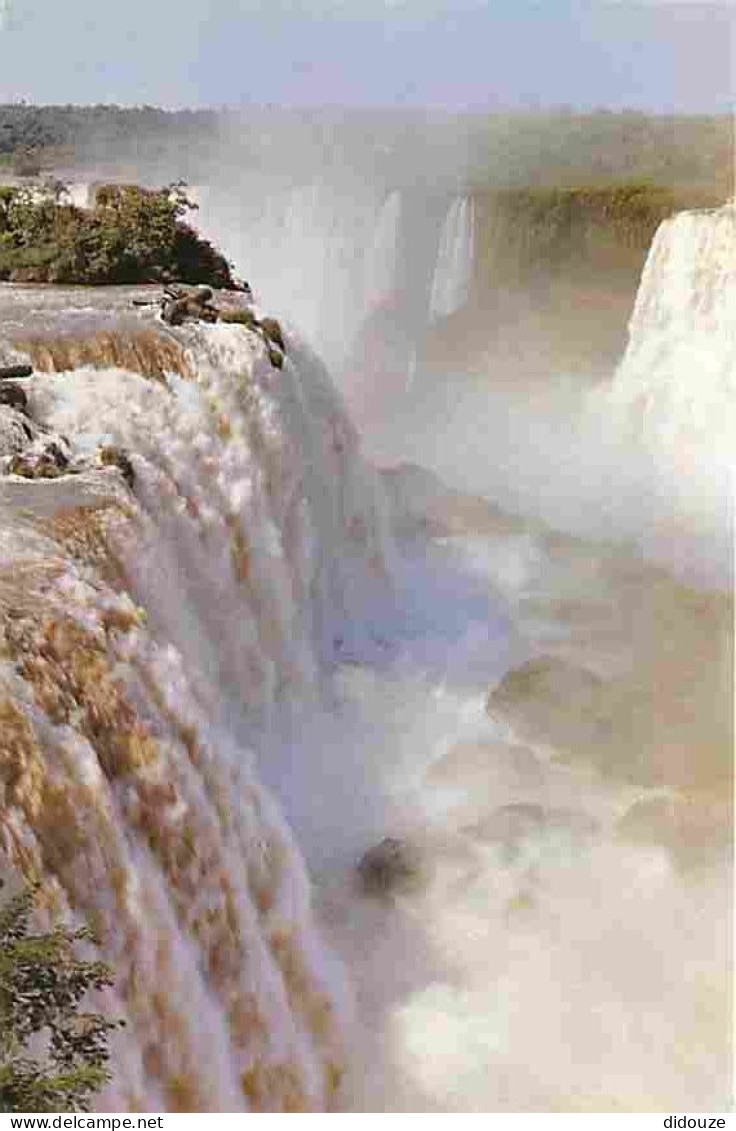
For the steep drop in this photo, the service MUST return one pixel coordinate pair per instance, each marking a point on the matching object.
(146, 641)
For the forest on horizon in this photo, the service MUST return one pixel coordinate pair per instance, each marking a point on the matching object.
(558, 147)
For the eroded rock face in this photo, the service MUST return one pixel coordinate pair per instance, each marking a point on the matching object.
(391, 866)
(272, 329)
(13, 395)
(111, 456)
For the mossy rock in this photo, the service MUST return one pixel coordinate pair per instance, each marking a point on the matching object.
(272, 330)
(240, 318)
(112, 456)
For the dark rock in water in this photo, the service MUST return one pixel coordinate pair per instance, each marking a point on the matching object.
(54, 452)
(391, 866)
(116, 457)
(272, 329)
(276, 358)
(10, 372)
(14, 396)
(50, 463)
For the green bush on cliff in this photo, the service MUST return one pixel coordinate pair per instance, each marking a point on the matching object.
(42, 986)
(131, 235)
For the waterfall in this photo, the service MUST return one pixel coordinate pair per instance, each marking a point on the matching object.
(303, 246)
(382, 280)
(453, 271)
(678, 375)
(147, 639)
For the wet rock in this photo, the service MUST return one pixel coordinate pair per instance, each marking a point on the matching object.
(240, 286)
(49, 463)
(112, 456)
(272, 329)
(173, 311)
(10, 372)
(391, 866)
(13, 395)
(16, 432)
(558, 703)
(276, 358)
(179, 306)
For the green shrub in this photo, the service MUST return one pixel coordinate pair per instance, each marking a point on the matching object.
(42, 986)
(132, 235)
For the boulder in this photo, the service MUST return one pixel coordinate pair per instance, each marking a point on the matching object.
(179, 306)
(272, 329)
(391, 866)
(13, 395)
(49, 463)
(16, 432)
(112, 456)
(276, 358)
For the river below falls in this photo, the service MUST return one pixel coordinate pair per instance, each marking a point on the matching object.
(564, 766)
(551, 727)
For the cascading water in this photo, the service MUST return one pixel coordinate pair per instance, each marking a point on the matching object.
(675, 388)
(146, 641)
(679, 392)
(302, 246)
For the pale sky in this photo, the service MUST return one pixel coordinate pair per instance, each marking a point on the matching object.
(662, 55)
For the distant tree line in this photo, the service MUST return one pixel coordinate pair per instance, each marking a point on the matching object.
(504, 149)
(88, 128)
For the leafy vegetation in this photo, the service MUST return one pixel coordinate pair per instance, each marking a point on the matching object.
(527, 232)
(42, 986)
(568, 148)
(561, 146)
(131, 235)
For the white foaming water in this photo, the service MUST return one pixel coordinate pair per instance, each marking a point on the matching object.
(288, 645)
(454, 268)
(148, 643)
(382, 268)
